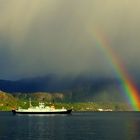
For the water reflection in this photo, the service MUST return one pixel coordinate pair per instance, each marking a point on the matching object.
(86, 126)
(42, 115)
(41, 127)
(132, 128)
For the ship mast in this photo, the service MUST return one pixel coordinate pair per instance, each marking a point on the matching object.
(30, 105)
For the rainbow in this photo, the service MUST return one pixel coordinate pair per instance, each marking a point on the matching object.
(128, 86)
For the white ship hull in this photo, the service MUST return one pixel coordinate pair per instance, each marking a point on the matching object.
(42, 112)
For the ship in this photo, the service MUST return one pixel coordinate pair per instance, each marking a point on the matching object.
(41, 109)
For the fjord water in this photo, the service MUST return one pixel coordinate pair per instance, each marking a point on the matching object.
(78, 126)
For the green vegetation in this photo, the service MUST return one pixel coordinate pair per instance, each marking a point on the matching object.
(11, 101)
(7, 101)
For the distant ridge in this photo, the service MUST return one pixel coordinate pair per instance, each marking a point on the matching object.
(80, 88)
(55, 84)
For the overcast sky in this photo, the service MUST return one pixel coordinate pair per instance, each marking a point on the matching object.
(39, 37)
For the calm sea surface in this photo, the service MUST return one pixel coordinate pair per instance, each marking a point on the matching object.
(78, 126)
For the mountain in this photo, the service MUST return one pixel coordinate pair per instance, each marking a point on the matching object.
(53, 83)
(80, 88)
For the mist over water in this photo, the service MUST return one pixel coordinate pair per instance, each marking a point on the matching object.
(44, 36)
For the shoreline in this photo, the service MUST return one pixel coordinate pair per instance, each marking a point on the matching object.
(78, 107)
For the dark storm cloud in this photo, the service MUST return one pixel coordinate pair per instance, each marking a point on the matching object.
(39, 37)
